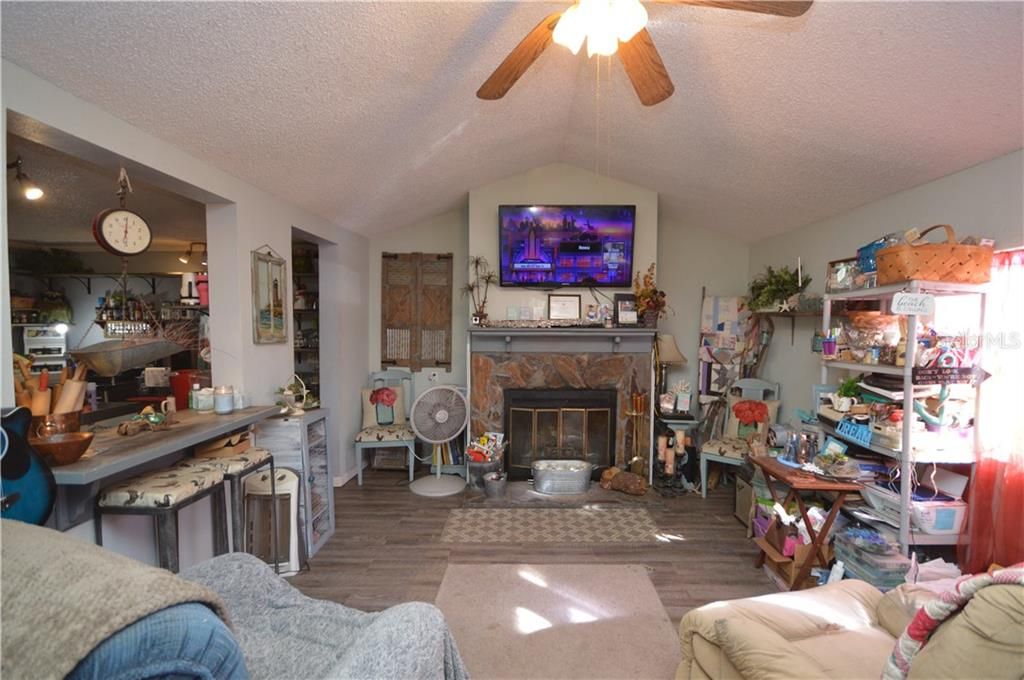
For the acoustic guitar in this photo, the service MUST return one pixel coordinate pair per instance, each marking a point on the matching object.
(27, 487)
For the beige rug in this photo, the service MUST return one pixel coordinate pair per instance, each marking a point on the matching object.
(558, 621)
(589, 524)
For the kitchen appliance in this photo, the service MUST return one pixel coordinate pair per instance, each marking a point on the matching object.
(189, 291)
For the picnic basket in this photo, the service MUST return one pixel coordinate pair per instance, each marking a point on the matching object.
(949, 262)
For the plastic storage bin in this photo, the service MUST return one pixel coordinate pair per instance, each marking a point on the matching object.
(930, 512)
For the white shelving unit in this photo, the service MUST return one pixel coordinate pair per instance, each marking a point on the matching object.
(47, 344)
(908, 455)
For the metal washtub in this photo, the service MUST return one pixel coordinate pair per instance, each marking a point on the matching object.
(561, 477)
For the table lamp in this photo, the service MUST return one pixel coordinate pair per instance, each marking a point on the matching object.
(668, 355)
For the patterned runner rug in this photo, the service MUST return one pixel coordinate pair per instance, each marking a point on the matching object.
(590, 524)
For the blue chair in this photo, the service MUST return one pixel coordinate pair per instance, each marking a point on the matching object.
(395, 435)
(731, 452)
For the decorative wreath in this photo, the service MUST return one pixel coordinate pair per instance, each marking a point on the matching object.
(383, 395)
(750, 411)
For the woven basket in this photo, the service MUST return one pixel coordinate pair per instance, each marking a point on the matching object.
(949, 262)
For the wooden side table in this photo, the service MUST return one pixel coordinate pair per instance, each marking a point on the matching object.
(797, 480)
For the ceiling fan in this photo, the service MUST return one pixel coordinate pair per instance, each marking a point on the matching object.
(610, 26)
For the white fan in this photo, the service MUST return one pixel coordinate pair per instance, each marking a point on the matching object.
(438, 416)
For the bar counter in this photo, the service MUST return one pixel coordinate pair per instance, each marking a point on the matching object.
(118, 457)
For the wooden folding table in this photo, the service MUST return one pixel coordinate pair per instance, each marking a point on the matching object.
(797, 480)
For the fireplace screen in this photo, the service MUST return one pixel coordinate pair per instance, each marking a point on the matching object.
(560, 424)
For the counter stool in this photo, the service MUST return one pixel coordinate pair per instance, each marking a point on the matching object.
(235, 469)
(162, 494)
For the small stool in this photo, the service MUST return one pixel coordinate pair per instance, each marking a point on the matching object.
(235, 469)
(162, 494)
(728, 451)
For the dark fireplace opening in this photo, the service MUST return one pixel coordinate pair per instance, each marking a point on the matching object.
(544, 424)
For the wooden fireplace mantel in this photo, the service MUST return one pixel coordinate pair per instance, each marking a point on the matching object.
(562, 339)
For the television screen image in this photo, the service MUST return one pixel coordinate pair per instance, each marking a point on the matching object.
(566, 245)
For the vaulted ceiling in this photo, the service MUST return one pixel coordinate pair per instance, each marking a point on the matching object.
(365, 113)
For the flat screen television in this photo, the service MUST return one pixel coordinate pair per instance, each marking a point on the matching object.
(566, 245)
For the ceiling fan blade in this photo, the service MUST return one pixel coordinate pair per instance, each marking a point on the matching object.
(782, 8)
(645, 69)
(519, 59)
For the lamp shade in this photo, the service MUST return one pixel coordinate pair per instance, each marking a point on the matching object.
(668, 350)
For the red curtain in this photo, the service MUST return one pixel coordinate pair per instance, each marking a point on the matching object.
(995, 526)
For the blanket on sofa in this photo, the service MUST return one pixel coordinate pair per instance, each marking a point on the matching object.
(935, 612)
(285, 634)
(62, 597)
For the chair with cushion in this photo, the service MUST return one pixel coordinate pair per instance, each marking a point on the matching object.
(235, 469)
(731, 448)
(385, 405)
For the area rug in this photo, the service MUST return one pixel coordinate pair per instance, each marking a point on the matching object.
(558, 621)
(589, 524)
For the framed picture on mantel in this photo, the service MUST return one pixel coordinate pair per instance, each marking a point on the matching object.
(563, 307)
(625, 309)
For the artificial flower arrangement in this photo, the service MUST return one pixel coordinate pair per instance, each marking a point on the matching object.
(649, 298)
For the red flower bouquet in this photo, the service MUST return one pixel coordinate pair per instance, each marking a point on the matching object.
(385, 396)
(750, 411)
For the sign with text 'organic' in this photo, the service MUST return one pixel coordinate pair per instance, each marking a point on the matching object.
(913, 303)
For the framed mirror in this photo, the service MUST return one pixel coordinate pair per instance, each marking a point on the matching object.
(269, 292)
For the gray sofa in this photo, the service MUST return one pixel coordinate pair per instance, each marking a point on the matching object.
(75, 610)
(285, 634)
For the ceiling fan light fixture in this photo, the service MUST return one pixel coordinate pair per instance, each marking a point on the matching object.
(571, 30)
(630, 17)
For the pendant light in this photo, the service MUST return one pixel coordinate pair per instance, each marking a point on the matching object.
(31, 189)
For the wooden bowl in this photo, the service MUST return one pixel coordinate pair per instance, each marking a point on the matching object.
(62, 449)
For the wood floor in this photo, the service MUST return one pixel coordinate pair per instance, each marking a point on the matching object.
(386, 549)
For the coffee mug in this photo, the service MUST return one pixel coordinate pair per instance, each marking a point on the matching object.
(169, 407)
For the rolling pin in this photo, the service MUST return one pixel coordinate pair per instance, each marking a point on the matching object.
(41, 397)
(72, 397)
(22, 397)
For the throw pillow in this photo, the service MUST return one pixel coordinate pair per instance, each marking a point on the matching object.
(383, 406)
(750, 416)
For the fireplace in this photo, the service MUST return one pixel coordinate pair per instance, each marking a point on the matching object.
(576, 424)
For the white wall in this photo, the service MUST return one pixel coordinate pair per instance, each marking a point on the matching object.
(442, 234)
(691, 256)
(248, 219)
(985, 200)
(554, 184)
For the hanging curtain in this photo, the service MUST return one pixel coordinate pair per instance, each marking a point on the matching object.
(995, 527)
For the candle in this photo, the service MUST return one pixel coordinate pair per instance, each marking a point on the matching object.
(799, 272)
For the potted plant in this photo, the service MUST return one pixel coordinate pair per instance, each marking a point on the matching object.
(651, 303)
(776, 289)
(482, 278)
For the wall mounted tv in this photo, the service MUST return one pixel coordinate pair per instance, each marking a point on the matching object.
(566, 245)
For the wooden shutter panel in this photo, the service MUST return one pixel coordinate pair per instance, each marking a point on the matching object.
(416, 310)
(435, 292)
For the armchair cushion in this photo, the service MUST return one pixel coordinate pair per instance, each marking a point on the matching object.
(386, 433)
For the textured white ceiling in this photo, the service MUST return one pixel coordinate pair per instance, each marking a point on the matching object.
(365, 112)
(76, 190)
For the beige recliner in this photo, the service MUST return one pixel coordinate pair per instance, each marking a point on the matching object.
(848, 630)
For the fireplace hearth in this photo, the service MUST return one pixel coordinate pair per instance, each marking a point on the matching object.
(559, 424)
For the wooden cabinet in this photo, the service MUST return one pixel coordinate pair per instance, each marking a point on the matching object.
(301, 444)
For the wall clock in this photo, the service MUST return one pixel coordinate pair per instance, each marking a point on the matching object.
(122, 232)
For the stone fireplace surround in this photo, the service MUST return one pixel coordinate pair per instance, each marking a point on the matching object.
(561, 358)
